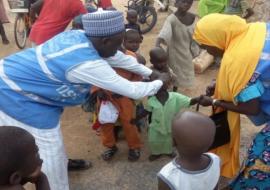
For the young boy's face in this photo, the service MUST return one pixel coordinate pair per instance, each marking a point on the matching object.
(159, 64)
(132, 42)
(33, 165)
(132, 18)
(183, 5)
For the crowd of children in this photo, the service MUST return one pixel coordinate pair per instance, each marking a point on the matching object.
(192, 164)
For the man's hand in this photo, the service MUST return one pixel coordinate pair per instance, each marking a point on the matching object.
(116, 95)
(210, 90)
(42, 182)
(164, 77)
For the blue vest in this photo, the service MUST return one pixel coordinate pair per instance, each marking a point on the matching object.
(33, 84)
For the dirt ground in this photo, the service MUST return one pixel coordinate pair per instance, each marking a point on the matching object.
(81, 141)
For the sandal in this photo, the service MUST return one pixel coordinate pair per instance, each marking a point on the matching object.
(133, 155)
(78, 164)
(153, 157)
(108, 154)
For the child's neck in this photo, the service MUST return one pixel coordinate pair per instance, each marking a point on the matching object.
(130, 23)
(164, 69)
(162, 96)
(185, 17)
(194, 163)
(180, 13)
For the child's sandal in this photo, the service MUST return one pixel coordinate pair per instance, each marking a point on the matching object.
(133, 155)
(78, 164)
(108, 154)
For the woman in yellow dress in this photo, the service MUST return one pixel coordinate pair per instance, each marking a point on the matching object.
(242, 87)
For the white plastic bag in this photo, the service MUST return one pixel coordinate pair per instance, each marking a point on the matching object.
(107, 113)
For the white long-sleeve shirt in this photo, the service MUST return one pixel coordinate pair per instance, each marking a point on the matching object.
(102, 75)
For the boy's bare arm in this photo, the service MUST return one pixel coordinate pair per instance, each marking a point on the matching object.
(162, 185)
(36, 8)
(14, 187)
(143, 114)
(42, 182)
(160, 41)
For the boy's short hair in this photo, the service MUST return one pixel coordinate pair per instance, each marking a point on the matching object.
(14, 149)
(132, 12)
(130, 32)
(157, 53)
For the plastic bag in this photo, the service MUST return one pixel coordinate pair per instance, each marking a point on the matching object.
(202, 62)
(107, 113)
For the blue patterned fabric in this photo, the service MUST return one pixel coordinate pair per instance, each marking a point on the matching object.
(103, 23)
(255, 175)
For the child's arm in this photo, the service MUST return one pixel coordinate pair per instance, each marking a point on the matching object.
(143, 114)
(35, 9)
(162, 185)
(160, 41)
(194, 101)
(246, 9)
(42, 182)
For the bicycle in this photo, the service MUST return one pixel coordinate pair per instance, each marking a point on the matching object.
(23, 23)
(147, 15)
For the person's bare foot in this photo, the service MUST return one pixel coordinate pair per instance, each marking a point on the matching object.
(153, 157)
(5, 41)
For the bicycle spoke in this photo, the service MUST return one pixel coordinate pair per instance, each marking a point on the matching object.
(148, 16)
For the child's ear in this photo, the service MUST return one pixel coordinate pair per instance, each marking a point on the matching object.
(15, 178)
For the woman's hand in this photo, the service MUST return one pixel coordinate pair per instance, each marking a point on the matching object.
(210, 90)
(205, 101)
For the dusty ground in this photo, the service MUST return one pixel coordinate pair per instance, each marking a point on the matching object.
(81, 142)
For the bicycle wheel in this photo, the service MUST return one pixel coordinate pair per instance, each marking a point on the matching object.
(20, 31)
(147, 18)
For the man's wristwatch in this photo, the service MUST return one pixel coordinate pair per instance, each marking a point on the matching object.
(214, 102)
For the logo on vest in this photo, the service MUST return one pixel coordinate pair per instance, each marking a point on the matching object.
(66, 91)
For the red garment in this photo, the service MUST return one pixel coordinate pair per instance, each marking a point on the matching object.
(54, 17)
(105, 4)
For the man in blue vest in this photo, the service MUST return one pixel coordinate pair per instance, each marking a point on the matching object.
(36, 84)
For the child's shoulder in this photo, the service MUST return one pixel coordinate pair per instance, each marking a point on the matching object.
(213, 157)
(165, 170)
(177, 95)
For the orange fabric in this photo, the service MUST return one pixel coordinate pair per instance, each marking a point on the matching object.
(126, 113)
(126, 108)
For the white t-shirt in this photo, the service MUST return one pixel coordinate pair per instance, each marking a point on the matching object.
(178, 178)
